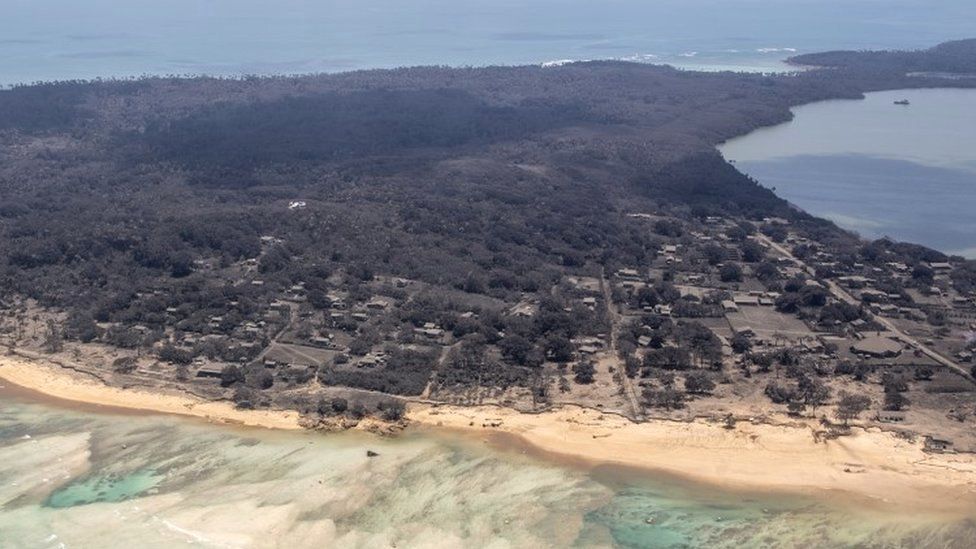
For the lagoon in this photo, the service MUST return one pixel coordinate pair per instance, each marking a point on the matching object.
(75, 478)
(877, 168)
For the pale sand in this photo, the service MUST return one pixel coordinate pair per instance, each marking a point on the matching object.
(65, 384)
(754, 456)
(869, 463)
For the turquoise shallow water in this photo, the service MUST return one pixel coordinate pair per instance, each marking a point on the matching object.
(75, 479)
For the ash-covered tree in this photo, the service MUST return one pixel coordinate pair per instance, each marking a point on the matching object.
(699, 383)
(850, 406)
(583, 372)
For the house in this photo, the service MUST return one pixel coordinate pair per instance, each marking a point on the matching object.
(212, 372)
(877, 347)
(938, 446)
(430, 331)
(589, 302)
(629, 274)
(321, 341)
(746, 331)
(729, 306)
(746, 300)
(644, 340)
(940, 266)
(377, 304)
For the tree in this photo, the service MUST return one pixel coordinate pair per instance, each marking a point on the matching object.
(583, 372)
(263, 380)
(788, 303)
(730, 272)
(895, 401)
(175, 355)
(559, 348)
(392, 410)
(698, 383)
(814, 392)
(230, 375)
(851, 406)
(81, 327)
(515, 348)
(339, 405)
(925, 373)
(795, 407)
(669, 358)
(894, 383)
(53, 339)
(740, 343)
(667, 398)
(813, 296)
(125, 364)
(358, 411)
(714, 254)
(752, 252)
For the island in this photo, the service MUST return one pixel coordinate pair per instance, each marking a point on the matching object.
(555, 253)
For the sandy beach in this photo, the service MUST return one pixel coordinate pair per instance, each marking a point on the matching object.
(754, 456)
(870, 463)
(65, 384)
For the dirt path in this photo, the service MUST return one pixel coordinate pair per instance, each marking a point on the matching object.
(616, 319)
(842, 294)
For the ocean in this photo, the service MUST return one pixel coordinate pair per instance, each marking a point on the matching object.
(68, 39)
(876, 168)
(72, 478)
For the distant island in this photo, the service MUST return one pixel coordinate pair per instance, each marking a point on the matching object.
(461, 245)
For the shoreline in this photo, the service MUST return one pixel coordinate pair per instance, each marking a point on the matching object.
(66, 385)
(871, 465)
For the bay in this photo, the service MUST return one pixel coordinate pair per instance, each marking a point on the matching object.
(877, 168)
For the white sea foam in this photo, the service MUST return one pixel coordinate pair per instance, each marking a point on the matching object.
(559, 62)
(776, 50)
(639, 57)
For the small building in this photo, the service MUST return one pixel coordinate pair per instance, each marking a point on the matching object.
(938, 446)
(629, 274)
(743, 300)
(729, 306)
(211, 372)
(891, 416)
(877, 347)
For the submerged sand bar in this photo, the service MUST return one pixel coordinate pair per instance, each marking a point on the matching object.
(753, 456)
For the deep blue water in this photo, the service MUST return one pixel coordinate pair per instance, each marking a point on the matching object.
(63, 39)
